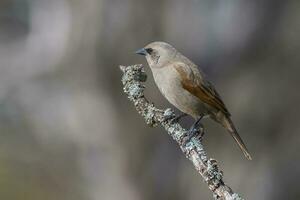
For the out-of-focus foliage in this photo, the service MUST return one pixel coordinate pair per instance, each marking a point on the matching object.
(67, 131)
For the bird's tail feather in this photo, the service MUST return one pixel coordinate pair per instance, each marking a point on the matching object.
(228, 124)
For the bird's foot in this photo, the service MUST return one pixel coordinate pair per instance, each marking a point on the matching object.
(197, 130)
(174, 119)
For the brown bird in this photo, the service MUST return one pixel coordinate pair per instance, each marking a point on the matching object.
(184, 85)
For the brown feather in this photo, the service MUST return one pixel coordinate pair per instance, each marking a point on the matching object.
(228, 124)
(196, 87)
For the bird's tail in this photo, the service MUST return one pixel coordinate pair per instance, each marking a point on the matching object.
(228, 124)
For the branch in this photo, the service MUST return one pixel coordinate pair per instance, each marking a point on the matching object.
(132, 79)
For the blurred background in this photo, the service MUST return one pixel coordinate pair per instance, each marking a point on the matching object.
(68, 132)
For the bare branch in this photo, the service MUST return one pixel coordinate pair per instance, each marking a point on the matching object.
(132, 80)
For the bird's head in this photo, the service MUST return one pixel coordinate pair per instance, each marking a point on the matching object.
(158, 54)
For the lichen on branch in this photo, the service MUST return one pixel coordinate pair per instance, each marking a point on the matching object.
(132, 79)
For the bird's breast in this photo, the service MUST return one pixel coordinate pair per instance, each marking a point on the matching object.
(168, 81)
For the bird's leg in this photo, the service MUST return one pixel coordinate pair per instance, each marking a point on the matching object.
(196, 130)
(176, 118)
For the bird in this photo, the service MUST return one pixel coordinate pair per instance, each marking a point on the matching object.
(186, 87)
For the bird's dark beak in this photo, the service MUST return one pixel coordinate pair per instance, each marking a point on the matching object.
(141, 51)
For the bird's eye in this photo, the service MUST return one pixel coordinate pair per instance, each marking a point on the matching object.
(149, 50)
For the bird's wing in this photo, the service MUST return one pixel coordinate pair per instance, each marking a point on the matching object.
(191, 81)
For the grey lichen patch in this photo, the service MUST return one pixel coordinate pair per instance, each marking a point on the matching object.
(236, 196)
(188, 147)
(178, 133)
(131, 81)
(133, 73)
(149, 115)
(200, 150)
(135, 90)
(127, 76)
(175, 131)
(122, 68)
(214, 174)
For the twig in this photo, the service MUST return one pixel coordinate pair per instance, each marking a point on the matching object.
(132, 80)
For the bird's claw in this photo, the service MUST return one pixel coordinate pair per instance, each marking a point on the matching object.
(197, 132)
